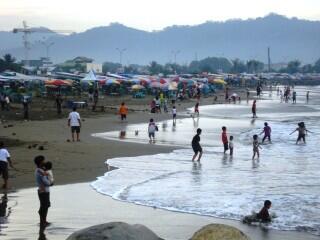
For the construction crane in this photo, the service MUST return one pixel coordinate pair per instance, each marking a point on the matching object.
(27, 31)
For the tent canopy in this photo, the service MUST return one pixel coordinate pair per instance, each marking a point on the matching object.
(91, 76)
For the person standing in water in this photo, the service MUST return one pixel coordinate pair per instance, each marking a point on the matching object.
(307, 96)
(231, 145)
(267, 132)
(302, 132)
(224, 138)
(294, 97)
(196, 109)
(256, 147)
(254, 109)
(196, 145)
(152, 128)
(174, 114)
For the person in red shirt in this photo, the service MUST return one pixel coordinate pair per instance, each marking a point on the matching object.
(224, 138)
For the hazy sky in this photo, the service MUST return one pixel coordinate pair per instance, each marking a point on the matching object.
(79, 15)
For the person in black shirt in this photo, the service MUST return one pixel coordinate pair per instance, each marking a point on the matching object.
(196, 145)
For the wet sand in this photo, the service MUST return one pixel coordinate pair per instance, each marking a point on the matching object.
(77, 206)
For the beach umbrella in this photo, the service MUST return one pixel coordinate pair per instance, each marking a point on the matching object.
(91, 76)
(155, 84)
(163, 81)
(112, 81)
(173, 86)
(58, 82)
(135, 81)
(137, 87)
(219, 81)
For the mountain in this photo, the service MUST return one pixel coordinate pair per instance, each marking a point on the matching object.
(288, 38)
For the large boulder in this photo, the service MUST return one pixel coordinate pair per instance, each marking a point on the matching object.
(115, 231)
(219, 232)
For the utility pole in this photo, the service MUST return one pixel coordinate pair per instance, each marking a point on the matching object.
(121, 51)
(269, 60)
(175, 53)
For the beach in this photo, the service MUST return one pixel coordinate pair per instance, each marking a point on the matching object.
(75, 206)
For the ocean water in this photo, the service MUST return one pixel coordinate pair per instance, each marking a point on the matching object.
(220, 186)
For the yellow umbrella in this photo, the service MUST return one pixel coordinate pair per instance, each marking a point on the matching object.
(219, 81)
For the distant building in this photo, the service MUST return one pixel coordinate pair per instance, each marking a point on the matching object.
(96, 67)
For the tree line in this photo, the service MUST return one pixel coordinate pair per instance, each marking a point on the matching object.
(209, 64)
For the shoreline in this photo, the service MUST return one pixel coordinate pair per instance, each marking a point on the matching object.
(97, 208)
(74, 172)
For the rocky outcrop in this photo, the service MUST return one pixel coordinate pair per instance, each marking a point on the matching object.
(219, 232)
(115, 231)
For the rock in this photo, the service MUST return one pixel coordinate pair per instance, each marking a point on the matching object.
(68, 140)
(41, 148)
(115, 231)
(13, 134)
(219, 232)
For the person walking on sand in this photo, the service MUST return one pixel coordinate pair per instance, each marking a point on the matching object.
(74, 122)
(256, 147)
(302, 132)
(5, 160)
(59, 104)
(196, 145)
(123, 111)
(25, 105)
(267, 132)
(224, 138)
(43, 184)
(254, 109)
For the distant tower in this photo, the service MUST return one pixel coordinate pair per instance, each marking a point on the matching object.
(269, 60)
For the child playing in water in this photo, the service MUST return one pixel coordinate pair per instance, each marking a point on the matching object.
(294, 97)
(231, 145)
(196, 109)
(256, 147)
(254, 109)
(263, 216)
(267, 132)
(151, 130)
(224, 138)
(174, 114)
(196, 145)
(302, 132)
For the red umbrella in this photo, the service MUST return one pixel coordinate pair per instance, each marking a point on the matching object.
(58, 82)
(162, 81)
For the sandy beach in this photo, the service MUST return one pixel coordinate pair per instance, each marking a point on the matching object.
(75, 206)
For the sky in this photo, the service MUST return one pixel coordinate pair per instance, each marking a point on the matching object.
(149, 15)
